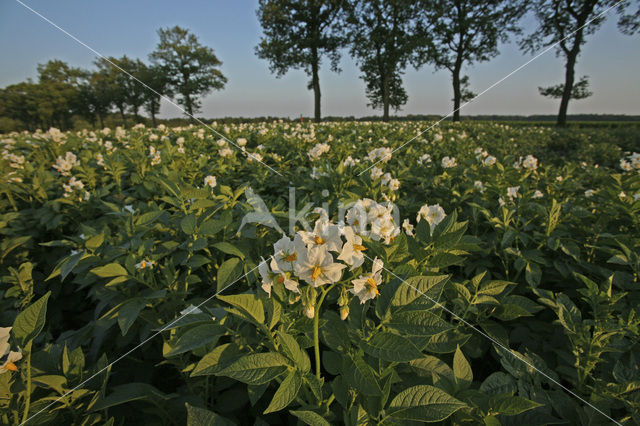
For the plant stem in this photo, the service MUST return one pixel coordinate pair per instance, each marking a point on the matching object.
(27, 404)
(316, 324)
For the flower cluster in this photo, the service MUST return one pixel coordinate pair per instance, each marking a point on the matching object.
(373, 220)
(631, 162)
(383, 154)
(424, 159)
(155, 155)
(319, 258)
(16, 161)
(73, 187)
(64, 164)
(317, 151)
(449, 162)
(433, 214)
(350, 162)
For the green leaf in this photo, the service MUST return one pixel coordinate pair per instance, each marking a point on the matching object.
(217, 360)
(110, 270)
(361, 376)
(286, 393)
(128, 313)
(256, 369)
(418, 323)
(213, 226)
(188, 224)
(201, 417)
(30, 322)
(422, 289)
(195, 337)
(511, 405)
(68, 266)
(391, 347)
(289, 345)
(498, 383)
(310, 418)
(148, 218)
(228, 272)
(424, 403)
(493, 288)
(229, 248)
(249, 306)
(129, 392)
(461, 370)
(94, 242)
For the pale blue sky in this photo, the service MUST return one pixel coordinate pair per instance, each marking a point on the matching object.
(230, 27)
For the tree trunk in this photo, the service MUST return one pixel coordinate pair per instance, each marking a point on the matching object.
(124, 119)
(189, 107)
(315, 83)
(153, 118)
(457, 94)
(101, 119)
(385, 98)
(569, 77)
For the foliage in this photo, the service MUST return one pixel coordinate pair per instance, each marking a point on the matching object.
(129, 294)
(459, 33)
(191, 67)
(297, 34)
(567, 24)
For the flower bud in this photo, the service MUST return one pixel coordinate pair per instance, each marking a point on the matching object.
(310, 311)
(344, 312)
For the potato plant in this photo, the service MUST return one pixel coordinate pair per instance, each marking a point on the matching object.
(296, 273)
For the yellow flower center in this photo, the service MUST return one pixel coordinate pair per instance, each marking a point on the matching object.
(359, 247)
(291, 258)
(372, 285)
(319, 240)
(316, 272)
(11, 366)
(143, 264)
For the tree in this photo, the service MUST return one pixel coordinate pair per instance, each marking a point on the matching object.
(457, 33)
(154, 77)
(99, 92)
(58, 90)
(19, 102)
(297, 34)
(568, 23)
(383, 38)
(192, 68)
(111, 84)
(134, 92)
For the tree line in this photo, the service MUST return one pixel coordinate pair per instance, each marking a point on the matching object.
(384, 37)
(180, 68)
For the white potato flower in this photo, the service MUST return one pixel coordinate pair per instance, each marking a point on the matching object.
(365, 287)
(448, 162)
(315, 265)
(351, 252)
(145, 264)
(376, 172)
(324, 233)
(512, 192)
(537, 194)
(433, 214)
(210, 181)
(408, 227)
(7, 356)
